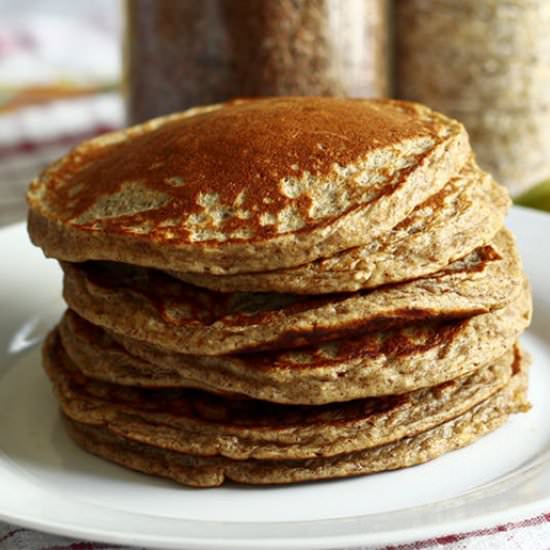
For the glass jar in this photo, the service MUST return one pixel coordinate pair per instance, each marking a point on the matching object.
(192, 52)
(486, 63)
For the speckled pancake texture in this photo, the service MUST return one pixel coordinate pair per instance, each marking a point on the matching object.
(245, 186)
(147, 305)
(370, 364)
(211, 471)
(198, 423)
(281, 290)
(464, 215)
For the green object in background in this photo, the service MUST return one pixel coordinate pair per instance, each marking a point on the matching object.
(537, 197)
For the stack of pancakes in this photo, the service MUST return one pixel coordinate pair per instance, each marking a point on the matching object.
(282, 290)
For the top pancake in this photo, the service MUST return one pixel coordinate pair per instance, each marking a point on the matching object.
(245, 186)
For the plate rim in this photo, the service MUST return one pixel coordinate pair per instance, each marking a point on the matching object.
(403, 536)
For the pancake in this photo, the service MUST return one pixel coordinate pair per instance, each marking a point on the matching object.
(199, 423)
(148, 305)
(372, 364)
(209, 471)
(465, 214)
(249, 185)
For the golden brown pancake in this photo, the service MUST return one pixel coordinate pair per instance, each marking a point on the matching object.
(148, 305)
(281, 290)
(464, 215)
(376, 363)
(210, 471)
(203, 424)
(249, 185)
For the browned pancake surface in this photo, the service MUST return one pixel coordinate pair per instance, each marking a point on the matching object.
(465, 214)
(204, 424)
(375, 363)
(212, 471)
(245, 186)
(151, 306)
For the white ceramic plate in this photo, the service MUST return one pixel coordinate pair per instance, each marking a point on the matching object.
(49, 484)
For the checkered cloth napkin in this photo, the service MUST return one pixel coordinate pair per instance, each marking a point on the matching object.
(529, 534)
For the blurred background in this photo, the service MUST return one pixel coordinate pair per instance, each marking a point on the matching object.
(71, 69)
(60, 74)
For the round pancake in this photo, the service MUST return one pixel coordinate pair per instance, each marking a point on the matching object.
(151, 306)
(250, 185)
(372, 364)
(202, 424)
(212, 471)
(464, 215)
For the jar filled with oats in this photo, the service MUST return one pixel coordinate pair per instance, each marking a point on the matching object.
(486, 63)
(189, 52)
